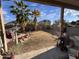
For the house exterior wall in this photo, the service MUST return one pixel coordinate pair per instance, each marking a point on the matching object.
(73, 31)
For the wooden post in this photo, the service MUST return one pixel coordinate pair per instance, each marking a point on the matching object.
(3, 30)
(16, 38)
(62, 20)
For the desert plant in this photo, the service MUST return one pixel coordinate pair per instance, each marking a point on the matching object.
(22, 12)
(35, 13)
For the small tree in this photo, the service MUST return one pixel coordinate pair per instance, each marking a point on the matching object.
(47, 23)
(35, 13)
(22, 12)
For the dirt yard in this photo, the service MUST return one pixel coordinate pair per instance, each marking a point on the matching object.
(38, 40)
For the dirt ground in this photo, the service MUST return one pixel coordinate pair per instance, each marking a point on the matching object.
(38, 40)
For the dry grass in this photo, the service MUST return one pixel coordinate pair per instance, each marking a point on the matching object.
(38, 40)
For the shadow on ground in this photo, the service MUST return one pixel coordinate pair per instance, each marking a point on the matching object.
(54, 53)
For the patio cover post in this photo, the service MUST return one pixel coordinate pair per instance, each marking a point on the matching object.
(62, 20)
(3, 29)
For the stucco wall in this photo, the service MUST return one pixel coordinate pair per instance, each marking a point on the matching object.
(73, 31)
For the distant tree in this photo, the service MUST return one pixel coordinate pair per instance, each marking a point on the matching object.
(73, 23)
(45, 24)
(77, 22)
(56, 22)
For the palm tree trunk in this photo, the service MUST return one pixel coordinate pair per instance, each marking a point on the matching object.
(16, 37)
(35, 21)
(3, 30)
(23, 28)
(36, 26)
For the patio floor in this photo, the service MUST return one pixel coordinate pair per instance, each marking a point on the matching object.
(46, 53)
(54, 53)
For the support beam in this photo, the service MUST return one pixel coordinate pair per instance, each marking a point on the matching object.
(57, 3)
(3, 30)
(62, 20)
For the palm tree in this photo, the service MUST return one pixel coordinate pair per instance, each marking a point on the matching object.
(22, 13)
(36, 13)
(3, 29)
(19, 9)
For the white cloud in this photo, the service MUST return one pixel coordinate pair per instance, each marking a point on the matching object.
(43, 14)
(47, 16)
(66, 12)
(34, 4)
(51, 11)
(51, 16)
(8, 16)
(71, 12)
(5, 12)
(45, 10)
(54, 11)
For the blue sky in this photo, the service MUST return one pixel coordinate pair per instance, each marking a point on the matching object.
(51, 13)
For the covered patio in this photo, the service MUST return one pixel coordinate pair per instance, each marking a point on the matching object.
(70, 4)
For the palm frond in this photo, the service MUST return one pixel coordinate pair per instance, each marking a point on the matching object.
(28, 10)
(21, 12)
(15, 2)
(12, 6)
